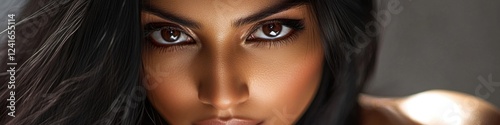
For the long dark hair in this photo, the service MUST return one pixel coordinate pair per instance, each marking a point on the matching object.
(350, 57)
(82, 64)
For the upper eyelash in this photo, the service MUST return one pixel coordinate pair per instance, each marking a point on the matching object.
(149, 28)
(296, 24)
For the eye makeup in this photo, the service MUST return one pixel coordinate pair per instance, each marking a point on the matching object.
(292, 26)
(166, 37)
(272, 33)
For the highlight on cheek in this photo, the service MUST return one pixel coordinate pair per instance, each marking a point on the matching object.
(231, 76)
(239, 62)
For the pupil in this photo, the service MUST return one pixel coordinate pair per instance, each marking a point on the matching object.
(170, 35)
(272, 30)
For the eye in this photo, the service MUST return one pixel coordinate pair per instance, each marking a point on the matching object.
(166, 36)
(274, 30)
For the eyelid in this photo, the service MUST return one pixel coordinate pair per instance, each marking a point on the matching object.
(151, 27)
(296, 26)
(284, 33)
(156, 34)
(151, 43)
(280, 20)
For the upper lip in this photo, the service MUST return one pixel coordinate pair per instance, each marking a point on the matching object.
(231, 121)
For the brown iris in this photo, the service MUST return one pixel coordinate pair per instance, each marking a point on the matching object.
(272, 29)
(170, 34)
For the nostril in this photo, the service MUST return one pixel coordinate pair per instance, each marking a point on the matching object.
(223, 97)
(222, 102)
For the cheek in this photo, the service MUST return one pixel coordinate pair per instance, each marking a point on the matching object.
(285, 81)
(171, 89)
(281, 82)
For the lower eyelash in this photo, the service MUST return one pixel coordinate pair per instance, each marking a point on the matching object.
(296, 25)
(150, 46)
(278, 43)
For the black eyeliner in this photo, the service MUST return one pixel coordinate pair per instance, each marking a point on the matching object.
(151, 43)
(297, 25)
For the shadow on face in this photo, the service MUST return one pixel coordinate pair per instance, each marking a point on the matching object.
(245, 62)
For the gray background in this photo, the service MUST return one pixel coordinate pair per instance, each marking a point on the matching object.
(430, 44)
(439, 44)
(9, 7)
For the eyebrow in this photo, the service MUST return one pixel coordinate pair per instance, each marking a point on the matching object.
(270, 10)
(280, 7)
(177, 19)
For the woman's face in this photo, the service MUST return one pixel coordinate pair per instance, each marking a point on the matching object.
(225, 61)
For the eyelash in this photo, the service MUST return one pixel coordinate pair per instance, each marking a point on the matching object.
(151, 27)
(296, 26)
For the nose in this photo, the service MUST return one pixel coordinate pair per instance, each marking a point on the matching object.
(221, 85)
(223, 96)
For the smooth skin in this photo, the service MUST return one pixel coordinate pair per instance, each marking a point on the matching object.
(206, 59)
(223, 76)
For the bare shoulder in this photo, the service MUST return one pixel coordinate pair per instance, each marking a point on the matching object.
(448, 107)
(432, 107)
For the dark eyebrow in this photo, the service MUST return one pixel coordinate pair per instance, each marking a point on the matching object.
(282, 6)
(177, 19)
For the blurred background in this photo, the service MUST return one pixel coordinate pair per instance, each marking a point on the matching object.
(440, 44)
(425, 45)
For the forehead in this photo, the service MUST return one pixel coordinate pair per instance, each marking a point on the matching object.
(213, 10)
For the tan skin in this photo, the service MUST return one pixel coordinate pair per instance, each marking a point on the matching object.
(207, 60)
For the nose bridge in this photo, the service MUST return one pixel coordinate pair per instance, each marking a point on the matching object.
(221, 86)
